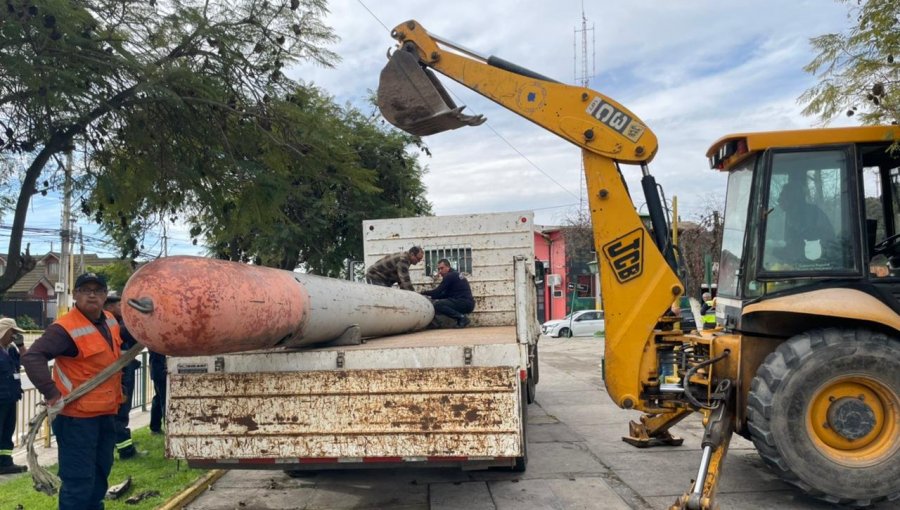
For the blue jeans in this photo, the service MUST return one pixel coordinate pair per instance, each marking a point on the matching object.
(86, 448)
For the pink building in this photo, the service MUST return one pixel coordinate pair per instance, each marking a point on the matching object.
(550, 249)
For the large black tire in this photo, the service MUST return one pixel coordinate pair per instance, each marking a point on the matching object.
(565, 333)
(824, 414)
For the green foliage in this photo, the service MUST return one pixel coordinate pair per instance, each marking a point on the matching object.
(150, 88)
(294, 193)
(26, 322)
(151, 473)
(859, 71)
(116, 274)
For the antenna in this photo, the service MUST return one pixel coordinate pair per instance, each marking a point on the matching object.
(583, 78)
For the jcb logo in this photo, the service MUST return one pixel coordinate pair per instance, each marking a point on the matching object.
(626, 255)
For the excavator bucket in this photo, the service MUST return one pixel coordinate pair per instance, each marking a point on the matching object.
(411, 98)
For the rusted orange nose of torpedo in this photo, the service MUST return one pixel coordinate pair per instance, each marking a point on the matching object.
(190, 306)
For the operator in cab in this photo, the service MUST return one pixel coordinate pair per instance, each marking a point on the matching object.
(807, 233)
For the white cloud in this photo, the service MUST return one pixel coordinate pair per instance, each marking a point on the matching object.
(693, 70)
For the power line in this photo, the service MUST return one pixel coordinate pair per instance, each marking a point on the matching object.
(513, 147)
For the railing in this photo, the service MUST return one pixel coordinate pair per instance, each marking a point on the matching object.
(28, 406)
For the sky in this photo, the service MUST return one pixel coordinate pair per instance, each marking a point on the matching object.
(692, 70)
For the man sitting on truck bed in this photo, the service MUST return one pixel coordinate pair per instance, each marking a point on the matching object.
(394, 268)
(452, 297)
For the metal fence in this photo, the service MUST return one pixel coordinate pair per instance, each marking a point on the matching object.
(31, 399)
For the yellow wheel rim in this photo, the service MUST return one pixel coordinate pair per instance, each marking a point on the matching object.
(855, 420)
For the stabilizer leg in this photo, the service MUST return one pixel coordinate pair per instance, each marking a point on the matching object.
(716, 438)
(653, 430)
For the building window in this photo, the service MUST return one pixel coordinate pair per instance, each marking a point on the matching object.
(460, 258)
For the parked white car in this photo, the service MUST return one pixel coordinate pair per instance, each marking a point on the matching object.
(583, 323)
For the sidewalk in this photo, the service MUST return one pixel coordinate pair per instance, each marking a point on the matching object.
(48, 456)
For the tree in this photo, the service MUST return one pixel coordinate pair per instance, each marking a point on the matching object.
(276, 208)
(698, 242)
(116, 274)
(859, 72)
(579, 235)
(118, 75)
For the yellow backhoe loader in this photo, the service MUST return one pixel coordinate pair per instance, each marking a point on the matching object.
(805, 360)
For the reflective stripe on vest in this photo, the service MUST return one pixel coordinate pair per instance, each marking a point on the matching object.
(94, 354)
(710, 316)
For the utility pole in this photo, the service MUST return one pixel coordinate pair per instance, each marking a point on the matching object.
(165, 240)
(81, 267)
(63, 290)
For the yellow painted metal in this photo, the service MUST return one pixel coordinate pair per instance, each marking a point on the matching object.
(674, 221)
(632, 270)
(846, 303)
(560, 108)
(185, 497)
(876, 446)
(804, 137)
(629, 328)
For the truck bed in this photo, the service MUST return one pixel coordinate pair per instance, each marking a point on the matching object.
(444, 397)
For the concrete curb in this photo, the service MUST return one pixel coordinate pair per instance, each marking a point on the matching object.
(178, 501)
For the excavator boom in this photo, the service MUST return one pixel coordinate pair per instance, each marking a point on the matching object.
(637, 272)
(638, 284)
(413, 100)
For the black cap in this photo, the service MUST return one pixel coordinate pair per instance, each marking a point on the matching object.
(86, 278)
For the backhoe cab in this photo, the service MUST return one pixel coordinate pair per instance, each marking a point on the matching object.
(809, 280)
(805, 359)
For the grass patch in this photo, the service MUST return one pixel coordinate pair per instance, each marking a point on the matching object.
(153, 472)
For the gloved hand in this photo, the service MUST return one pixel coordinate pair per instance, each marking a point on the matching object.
(54, 407)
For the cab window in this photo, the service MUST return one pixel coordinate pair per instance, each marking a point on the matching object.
(808, 227)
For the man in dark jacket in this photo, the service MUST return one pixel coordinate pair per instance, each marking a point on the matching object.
(452, 297)
(10, 393)
(124, 443)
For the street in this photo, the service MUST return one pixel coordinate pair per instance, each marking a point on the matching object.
(577, 460)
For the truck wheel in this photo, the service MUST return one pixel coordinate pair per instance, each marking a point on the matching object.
(824, 414)
(565, 333)
(522, 462)
(533, 375)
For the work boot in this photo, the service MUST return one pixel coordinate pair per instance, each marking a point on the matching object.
(132, 452)
(12, 469)
(462, 322)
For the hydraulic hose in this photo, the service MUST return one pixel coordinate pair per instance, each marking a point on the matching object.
(687, 380)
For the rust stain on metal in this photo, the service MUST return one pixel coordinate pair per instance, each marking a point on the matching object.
(246, 421)
(472, 411)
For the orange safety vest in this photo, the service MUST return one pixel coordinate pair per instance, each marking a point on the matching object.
(94, 354)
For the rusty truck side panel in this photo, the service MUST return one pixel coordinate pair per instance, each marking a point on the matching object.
(345, 414)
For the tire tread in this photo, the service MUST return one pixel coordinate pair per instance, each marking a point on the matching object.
(769, 378)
